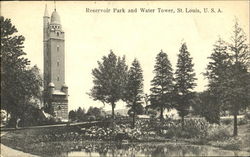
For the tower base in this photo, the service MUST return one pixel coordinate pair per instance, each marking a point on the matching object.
(59, 103)
(60, 108)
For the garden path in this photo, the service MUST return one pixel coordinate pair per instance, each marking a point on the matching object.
(9, 152)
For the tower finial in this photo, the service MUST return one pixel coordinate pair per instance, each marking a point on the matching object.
(55, 5)
(46, 14)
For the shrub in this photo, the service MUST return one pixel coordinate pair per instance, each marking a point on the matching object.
(50, 121)
(3, 116)
(247, 115)
(31, 117)
(218, 132)
(196, 127)
(192, 128)
(226, 121)
(91, 118)
(231, 144)
(242, 121)
(152, 113)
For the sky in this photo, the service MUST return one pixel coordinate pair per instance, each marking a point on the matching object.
(89, 36)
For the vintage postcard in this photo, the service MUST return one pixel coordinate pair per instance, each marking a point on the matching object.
(125, 78)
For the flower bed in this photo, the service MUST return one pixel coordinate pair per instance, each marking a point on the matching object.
(145, 130)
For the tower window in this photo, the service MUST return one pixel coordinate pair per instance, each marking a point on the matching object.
(57, 33)
(57, 63)
(57, 48)
(58, 78)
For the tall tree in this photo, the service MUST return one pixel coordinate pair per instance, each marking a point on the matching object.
(217, 73)
(228, 73)
(237, 84)
(218, 65)
(19, 83)
(184, 82)
(162, 84)
(109, 80)
(134, 89)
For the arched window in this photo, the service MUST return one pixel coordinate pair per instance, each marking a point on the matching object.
(57, 33)
(58, 78)
(57, 48)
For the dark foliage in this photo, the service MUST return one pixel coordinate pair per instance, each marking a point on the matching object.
(228, 74)
(134, 90)
(204, 104)
(162, 84)
(20, 85)
(184, 82)
(109, 80)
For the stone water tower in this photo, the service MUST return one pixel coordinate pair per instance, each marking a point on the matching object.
(54, 66)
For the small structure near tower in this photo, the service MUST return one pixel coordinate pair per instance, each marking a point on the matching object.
(55, 89)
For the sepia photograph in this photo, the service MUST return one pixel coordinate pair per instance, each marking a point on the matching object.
(125, 78)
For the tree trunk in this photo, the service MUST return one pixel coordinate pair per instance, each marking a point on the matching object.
(161, 115)
(182, 122)
(235, 133)
(7, 118)
(113, 110)
(133, 125)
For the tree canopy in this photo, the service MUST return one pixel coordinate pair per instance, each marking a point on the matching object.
(162, 84)
(184, 82)
(228, 73)
(20, 84)
(206, 105)
(236, 86)
(109, 80)
(134, 89)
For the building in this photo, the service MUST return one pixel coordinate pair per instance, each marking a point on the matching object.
(55, 89)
